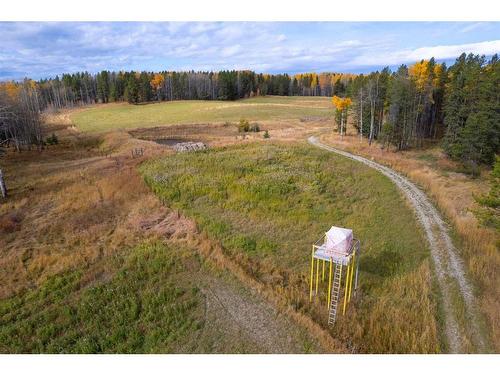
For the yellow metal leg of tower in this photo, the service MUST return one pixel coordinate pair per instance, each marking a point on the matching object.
(352, 274)
(312, 276)
(328, 298)
(346, 287)
(317, 276)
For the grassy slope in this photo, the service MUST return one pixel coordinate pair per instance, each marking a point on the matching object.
(268, 203)
(127, 116)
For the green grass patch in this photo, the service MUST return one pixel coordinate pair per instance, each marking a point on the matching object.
(142, 308)
(268, 203)
(272, 202)
(128, 116)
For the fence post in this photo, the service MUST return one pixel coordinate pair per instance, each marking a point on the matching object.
(3, 188)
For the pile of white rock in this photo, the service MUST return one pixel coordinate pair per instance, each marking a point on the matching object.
(189, 146)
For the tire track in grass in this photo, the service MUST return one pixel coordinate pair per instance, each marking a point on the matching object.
(448, 266)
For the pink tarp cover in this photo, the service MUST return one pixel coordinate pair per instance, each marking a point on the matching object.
(338, 241)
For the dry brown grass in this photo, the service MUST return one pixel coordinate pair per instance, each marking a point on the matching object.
(68, 206)
(453, 193)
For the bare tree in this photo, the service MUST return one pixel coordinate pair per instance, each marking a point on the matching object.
(20, 122)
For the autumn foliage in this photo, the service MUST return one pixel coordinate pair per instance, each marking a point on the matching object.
(341, 104)
(341, 107)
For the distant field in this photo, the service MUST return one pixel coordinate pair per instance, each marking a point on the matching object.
(267, 203)
(127, 116)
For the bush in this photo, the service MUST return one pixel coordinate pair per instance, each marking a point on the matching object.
(470, 168)
(52, 140)
(255, 127)
(489, 211)
(243, 126)
(266, 134)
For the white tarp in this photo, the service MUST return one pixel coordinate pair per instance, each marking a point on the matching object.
(338, 241)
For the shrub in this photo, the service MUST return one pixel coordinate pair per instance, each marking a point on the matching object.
(488, 213)
(52, 140)
(266, 134)
(470, 168)
(10, 222)
(243, 126)
(255, 127)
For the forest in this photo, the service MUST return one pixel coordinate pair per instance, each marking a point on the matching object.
(424, 102)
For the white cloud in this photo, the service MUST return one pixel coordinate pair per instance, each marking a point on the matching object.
(46, 49)
(231, 50)
(439, 52)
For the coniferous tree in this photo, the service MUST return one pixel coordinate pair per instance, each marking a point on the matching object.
(131, 89)
(479, 139)
(461, 98)
(103, 86)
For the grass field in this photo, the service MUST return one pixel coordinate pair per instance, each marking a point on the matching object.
(264, 202)
(84, 269)
(143, 308)
(267, 203)
(128, 116)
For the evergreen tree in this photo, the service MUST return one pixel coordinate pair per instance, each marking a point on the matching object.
(103, 86)
(131, 89)
(480, 137)
(145, 92)
(461, 99)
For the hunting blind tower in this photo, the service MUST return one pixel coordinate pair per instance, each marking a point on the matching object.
(340, 251)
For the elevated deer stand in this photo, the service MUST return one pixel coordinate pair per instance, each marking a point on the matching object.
(338, 249)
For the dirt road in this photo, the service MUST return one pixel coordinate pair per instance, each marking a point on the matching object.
(462, 333)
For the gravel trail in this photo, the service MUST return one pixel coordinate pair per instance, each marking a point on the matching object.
(448, 266)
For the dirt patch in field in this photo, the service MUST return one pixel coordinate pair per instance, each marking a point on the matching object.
(244, 315)
(222, 134)
(166, 223)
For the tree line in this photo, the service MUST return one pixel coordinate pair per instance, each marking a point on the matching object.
(139, 87)
(458, 105)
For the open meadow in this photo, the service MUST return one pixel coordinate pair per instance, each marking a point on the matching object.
(125, 116)
(205, 251)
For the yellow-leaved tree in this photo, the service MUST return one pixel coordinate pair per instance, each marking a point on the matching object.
(341, 107)
(420, 73)
(157, 84)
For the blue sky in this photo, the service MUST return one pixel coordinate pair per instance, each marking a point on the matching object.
(44, 49)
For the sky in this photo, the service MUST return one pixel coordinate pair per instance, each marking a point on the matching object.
(46, 49)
